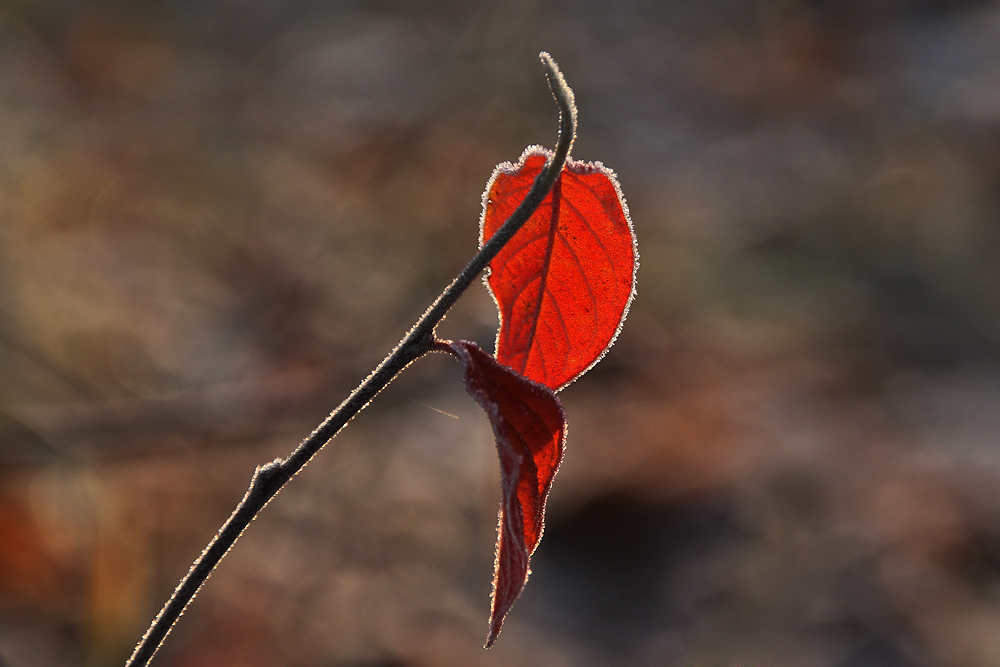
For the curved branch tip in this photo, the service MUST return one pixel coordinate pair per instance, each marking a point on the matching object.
(566, 101)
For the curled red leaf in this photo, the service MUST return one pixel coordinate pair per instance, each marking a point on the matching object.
(564, 282)
(529, 426)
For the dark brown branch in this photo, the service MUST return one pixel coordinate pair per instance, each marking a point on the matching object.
(269, 478)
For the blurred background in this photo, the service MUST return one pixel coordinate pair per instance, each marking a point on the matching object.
(217, 217)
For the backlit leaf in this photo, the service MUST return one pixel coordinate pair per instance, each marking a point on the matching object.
(529, 426)
(564, 282)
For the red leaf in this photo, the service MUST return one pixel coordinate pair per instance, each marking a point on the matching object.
(530, 430)
(563, 284)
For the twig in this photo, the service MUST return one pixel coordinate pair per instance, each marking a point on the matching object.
(269, 478)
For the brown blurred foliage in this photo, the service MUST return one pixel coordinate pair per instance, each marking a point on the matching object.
(217, 217)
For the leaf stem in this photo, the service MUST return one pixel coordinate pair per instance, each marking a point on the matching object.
(268, 479)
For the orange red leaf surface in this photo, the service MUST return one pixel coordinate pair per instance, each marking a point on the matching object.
(562, 284)
(564, 281)
(529, 426)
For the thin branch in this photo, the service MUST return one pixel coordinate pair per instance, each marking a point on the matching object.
(268, 479)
